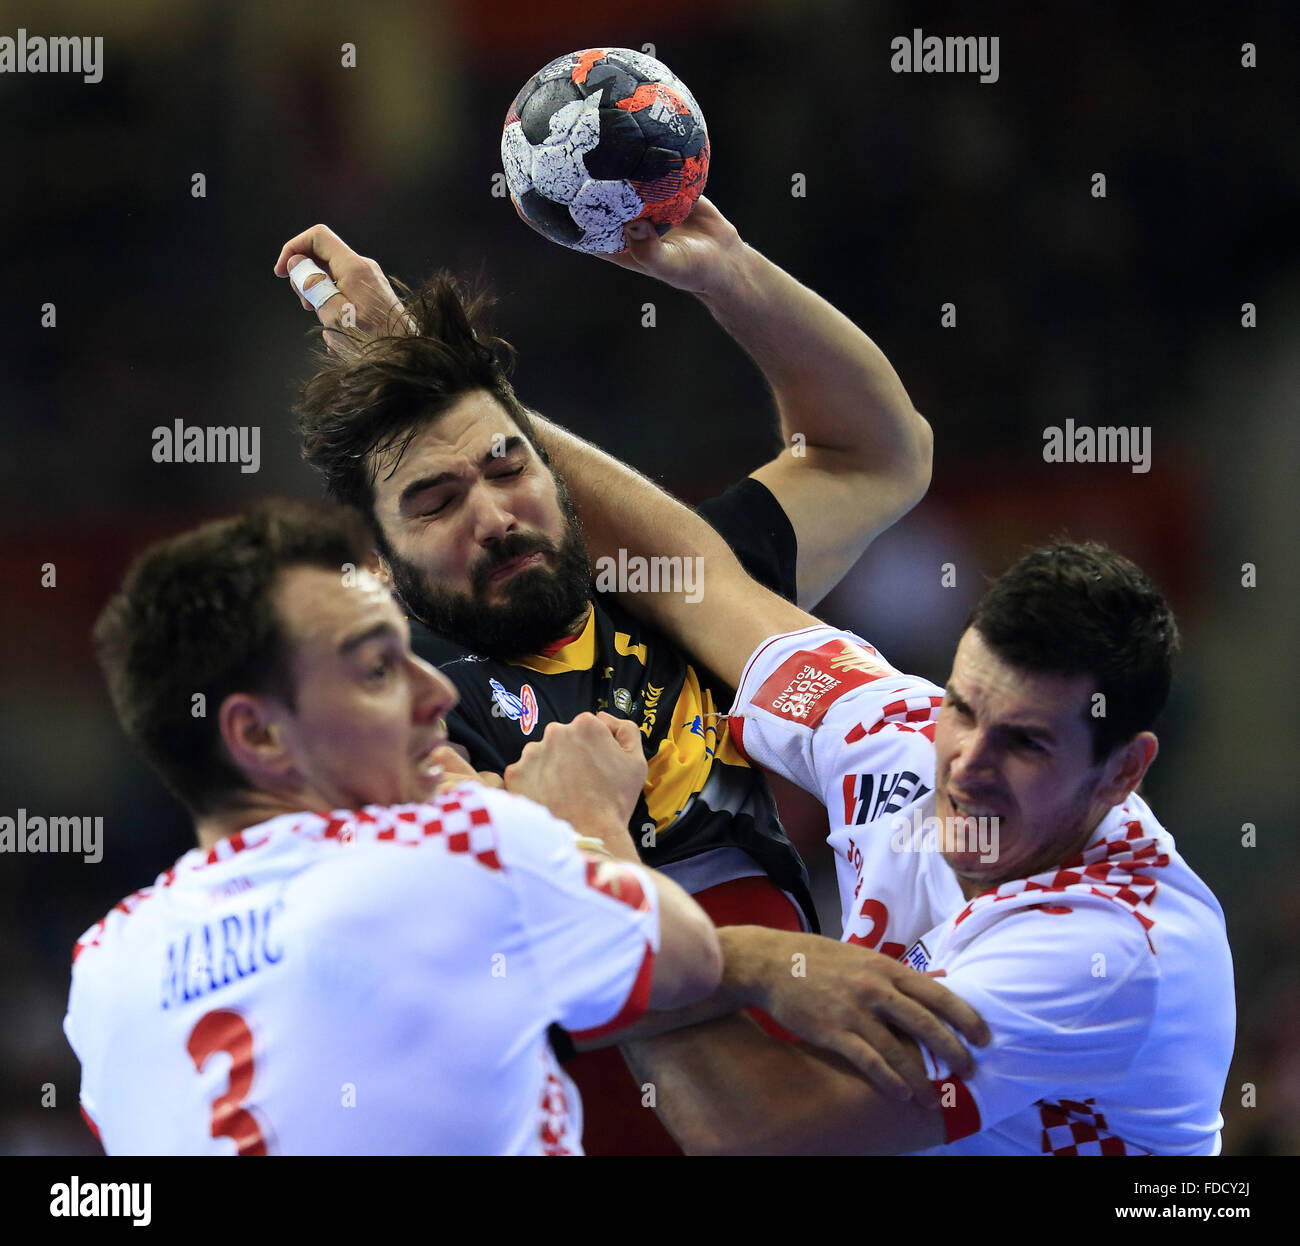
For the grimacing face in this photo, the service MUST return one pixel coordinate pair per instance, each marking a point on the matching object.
(482, 542)
(1016, 745)
(368, 713)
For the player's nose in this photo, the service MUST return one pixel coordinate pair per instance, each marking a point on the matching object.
(973, 758)
(492, 519)
(435, 695)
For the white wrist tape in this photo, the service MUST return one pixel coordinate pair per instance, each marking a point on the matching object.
(321, 291)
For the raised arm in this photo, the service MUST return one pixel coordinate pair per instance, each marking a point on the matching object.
(856, 455)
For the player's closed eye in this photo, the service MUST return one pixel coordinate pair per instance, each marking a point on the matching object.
(382, 669)
(442, 506)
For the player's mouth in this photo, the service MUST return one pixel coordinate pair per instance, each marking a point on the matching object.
(512, 568)
(427, 767)
(964, 808)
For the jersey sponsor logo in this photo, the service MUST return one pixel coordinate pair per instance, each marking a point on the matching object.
(651, 712)
(870, 796)
(218, 954)
(521, 709)
(810, 681)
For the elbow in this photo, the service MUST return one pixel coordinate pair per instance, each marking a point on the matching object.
(904, 467)
(708, 961)
(689, 967)
(919, 468)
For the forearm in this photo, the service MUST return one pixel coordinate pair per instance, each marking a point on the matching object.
(832, 385)
(742, 967)
(726, 1088)
(611, 497)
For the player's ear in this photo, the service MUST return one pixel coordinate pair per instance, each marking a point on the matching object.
(1127, 765)
(254, 737)
(377, 567)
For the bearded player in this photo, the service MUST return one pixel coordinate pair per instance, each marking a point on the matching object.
(990, 831)
(465, 491)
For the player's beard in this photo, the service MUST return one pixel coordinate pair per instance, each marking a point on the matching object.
(541, 604)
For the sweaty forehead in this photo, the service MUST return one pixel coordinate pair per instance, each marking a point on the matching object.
(321, 608)
(992, 685)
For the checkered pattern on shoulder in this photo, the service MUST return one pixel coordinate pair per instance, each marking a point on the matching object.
(459, 818)
(919, 714)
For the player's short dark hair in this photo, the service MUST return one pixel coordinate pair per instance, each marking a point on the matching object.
(1081, 609)
(369, 401)
(194, 616)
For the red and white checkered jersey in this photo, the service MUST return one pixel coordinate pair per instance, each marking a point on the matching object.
(1105, 982)
(1107, 986)
(822, 708)
(369, 982)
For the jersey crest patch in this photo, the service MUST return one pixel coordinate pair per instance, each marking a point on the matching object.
(521, 709)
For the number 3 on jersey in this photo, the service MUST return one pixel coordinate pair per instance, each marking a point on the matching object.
(229, 1032)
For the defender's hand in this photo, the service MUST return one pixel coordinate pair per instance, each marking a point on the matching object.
(376, 309)
(589, 772)
(456, 770)
(700, 256)
(846, 998)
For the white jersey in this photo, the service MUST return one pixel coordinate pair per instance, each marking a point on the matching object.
(1106, 982)
(374, 982)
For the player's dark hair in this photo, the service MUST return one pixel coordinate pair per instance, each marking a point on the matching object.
(1082, 609)
(195, 615)
(366, 402)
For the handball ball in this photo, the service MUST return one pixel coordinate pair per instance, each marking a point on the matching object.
(600, 138)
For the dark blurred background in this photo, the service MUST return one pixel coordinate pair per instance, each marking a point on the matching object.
(921, 190)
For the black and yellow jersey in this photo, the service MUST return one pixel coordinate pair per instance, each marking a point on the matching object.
(703, 806)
